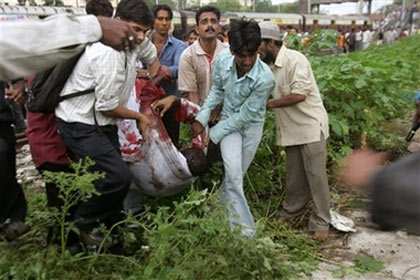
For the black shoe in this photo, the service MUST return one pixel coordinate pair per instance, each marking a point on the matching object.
(75, 248)
(13, 230)
(95, 239)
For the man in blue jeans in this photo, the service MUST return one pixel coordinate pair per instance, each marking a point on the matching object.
(242, 82)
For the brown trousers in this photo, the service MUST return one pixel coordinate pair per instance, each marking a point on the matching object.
(306, 178)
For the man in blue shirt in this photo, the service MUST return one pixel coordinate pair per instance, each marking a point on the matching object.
(242, 82)
(169, 52)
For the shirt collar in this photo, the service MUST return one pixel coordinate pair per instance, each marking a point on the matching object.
(199, 50)
(169, 39)
(253, 73)
(280, 57)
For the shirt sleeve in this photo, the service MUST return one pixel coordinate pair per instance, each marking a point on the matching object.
(301, 77)
(32, 46)
(186, 111)
(108, 68)
(179, 49)
(187, 80)
(215, 97)
(147, 52)
(247, 112)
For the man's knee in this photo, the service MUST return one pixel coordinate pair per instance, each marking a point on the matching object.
(121, 178)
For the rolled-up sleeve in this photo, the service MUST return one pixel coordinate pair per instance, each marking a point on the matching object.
(301, 84)
(109, 76)
(31, 46)
(187, 80)
(147, 52)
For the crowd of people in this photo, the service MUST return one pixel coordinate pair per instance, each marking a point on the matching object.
(137, 82)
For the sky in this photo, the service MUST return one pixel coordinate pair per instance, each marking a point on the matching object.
(343, 9)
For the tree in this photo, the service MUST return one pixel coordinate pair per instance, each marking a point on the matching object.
(151, 3)
(264, 6)
(292, 8)
(227, 5)
(53, 3)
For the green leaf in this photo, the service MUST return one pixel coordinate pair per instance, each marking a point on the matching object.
(366, 264)
(360, 83)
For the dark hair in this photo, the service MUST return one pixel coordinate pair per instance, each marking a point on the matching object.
(196, 160)
(136, 11)
(192, 31)
(179, 34)
(207, 9)
(157, 8)
(277, 42)
(244, 34)
(99, 8)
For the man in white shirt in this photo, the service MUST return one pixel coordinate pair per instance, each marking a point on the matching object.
(367, 38)
(31, 46)
(302, 127)
(87, 123)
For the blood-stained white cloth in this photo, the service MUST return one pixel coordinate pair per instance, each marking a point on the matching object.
(158, 167)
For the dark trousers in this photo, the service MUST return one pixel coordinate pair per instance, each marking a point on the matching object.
(101, 145)
(12, 200)
(51, 189)
(171, 125)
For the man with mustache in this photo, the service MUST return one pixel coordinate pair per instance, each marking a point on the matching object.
(242, 82)
(302, 127)
(196, 63)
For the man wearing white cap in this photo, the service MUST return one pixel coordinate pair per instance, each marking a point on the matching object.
(302, 127)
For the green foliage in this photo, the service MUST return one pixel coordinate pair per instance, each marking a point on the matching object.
(74, 188)
(365, 90)
(363, 265)
(53, 3)
(320, 41)
(185, 238)
(292, 8)
(170, 3)
(227, 5)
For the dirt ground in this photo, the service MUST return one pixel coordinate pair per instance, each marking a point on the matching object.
(398, 251)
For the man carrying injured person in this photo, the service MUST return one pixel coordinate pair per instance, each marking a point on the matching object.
(159, 169)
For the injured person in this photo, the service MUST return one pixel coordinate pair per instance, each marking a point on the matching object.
(159, 169)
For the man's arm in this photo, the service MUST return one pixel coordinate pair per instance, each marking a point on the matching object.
(187, 80)
(179, 49)
(215, 97)
(248, 111)
(286, 101)
(32, 46)
(300, 85)
(122, 112)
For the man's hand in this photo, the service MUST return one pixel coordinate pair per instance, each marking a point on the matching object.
(360, 166)
(117, 34)
(143, 123)
(269, 104)
(193, 97)
(197, 128)
(214, 115)
(416, 118)
(16, 93)
(159, 107)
